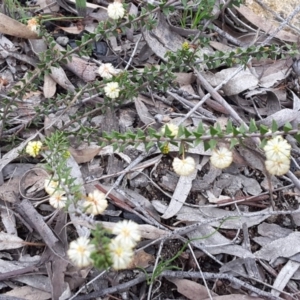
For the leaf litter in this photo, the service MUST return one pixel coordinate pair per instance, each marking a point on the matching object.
(226, 215)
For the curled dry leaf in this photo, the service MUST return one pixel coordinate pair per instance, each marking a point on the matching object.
(8, 241)
(190, 289)
(84, 155)
(141, 260)
(13, 27)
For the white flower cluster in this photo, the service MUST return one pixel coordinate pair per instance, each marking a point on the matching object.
(107, 71)
(33, 148)
(221, 158)
(116, 10)
(121, 247)
(278, 154)
(185, 166)
(80, 252)
(111, 89)
(95, 203)
(57, 198)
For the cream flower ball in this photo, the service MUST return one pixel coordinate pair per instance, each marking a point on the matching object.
(185, 166)
(58, 200)
(277, 148)
(127, 232)
(112, 90)
(221, 158)
(278, 167)
(52, 186)
(107, 71)
(33, 148)
(95, 203)
(121, 255)
(80, 251)
(116, 10)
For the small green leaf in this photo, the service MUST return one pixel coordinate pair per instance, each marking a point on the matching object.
(212, 143)
(187, 133)
(263, 129)
(200, 128)
(236, 131)
(115, 146)
(287, 127)
(263, 143)
(197, 142)
(233, 142)
(229, 127)
(206, 145)
(213, 131)
(297, 137)
(252, 126)
(274, 127)
(149, 145)
(140, 134)
(242, 129)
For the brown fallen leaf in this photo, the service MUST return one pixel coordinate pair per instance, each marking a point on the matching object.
(84, 155)
(190, 289)
(235, 297)
(141, 259)
(13, 27)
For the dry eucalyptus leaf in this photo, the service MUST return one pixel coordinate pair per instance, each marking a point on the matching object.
(77, 175)
(284, 276)
(161, 39)
(235, 297)
(296, 101)
(49, 87)
(141, 259)
(8, 241)
(84, 155)
(143, 111)
(280, 248)
(13, 27)
(191, 289)
(281, 117)
(83, 69)
(203, 214)
(242, 81)
(28, 293)
(60, 77)
(206, 237)
(47, 6)
(181, 192)
(265, 25)
(273, 79)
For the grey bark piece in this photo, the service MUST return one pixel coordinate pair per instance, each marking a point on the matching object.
(280, 248)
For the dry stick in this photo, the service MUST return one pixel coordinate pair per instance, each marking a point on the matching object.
(177, 274)
(155, 266)
(85, 285)
(266, 7)
(219, 98)
(207, 96)
(184, 230)
(133, 53)
(205, 275)
(282, 25)
(200, 270)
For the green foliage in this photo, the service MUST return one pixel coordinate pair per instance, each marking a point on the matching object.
(101, 257)
(194, 13)
(56, 164)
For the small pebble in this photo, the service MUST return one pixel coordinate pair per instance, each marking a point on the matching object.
(62, 40)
